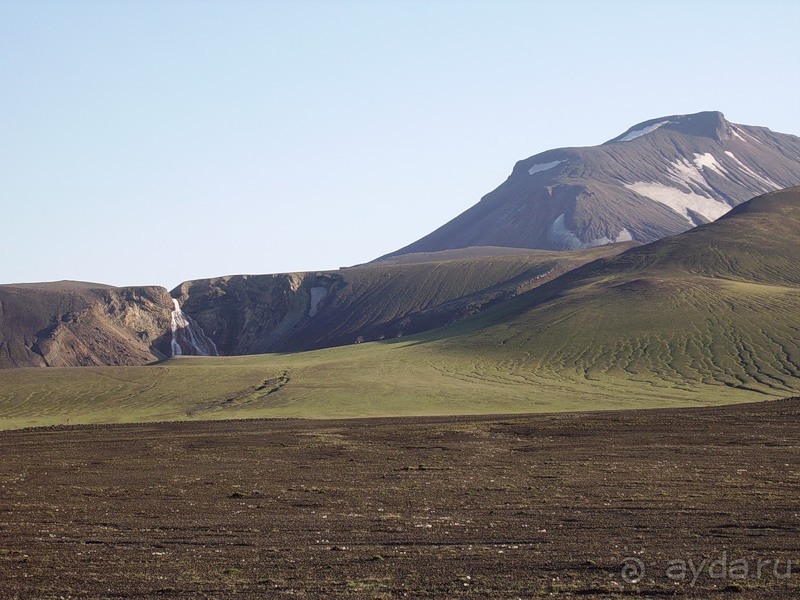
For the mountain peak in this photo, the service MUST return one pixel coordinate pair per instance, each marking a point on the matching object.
(710, 124)
(660, 177)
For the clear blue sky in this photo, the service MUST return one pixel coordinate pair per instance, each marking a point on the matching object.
(154, 141)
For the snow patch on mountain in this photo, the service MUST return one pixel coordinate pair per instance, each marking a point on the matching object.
(765, 181)
(624, 236)
(679, 201)
(707, 161)
(559, 234)
(317, 295)
(688, 174)
(701, 196)
(736, 132)
(636, 133)
(544, 167)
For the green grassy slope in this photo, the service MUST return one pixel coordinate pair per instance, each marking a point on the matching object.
(414, 297)
(707, 317)
(375, 379)
(718, 306)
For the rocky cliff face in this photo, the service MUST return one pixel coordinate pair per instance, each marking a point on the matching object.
(249, 314)
(68, 324)
(659, 178)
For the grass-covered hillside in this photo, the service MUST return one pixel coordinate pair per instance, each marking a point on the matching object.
(716, 306)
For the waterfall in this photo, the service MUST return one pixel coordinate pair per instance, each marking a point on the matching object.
(188, 337)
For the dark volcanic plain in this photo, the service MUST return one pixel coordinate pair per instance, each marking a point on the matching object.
(500, 507)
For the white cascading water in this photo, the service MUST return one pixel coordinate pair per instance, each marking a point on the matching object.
(188, 337)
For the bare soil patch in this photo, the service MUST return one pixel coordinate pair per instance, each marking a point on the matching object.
(494, 507)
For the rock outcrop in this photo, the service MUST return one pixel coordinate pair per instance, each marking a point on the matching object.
(65, 324)
(251, 314)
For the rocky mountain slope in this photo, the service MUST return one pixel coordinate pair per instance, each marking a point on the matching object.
(659, 178)
(250, 314)
(71, 323)
(68, 323)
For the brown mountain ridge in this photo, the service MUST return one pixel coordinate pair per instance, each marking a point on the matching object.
(659, 178)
